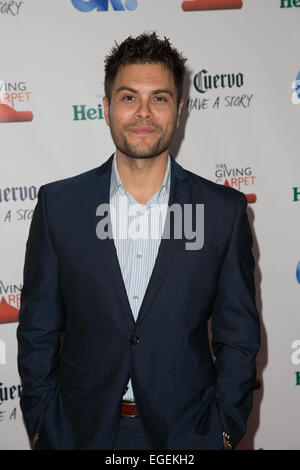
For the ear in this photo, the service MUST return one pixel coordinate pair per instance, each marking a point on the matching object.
(178, 112)
(106, 109)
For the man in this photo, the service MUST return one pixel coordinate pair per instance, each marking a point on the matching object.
(135, 369)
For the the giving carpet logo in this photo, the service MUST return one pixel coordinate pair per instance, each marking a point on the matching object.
(10, 296)
(8, 313)
(14, 94)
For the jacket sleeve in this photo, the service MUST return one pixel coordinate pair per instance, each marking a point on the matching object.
(236, 329)
(41, 320)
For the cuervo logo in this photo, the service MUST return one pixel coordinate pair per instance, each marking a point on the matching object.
(203, 81)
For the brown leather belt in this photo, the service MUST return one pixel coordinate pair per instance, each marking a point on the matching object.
(129, 409)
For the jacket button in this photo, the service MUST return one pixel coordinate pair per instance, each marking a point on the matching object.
(134, 339)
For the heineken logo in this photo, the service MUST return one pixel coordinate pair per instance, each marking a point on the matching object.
(82, 112)
(289, 3)
(296, 194)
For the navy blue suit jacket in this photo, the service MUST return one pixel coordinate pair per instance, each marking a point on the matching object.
(73, 287)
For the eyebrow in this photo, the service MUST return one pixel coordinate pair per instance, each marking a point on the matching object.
(155, 92)
(163, 90)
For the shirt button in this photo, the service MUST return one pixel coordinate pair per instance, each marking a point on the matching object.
(135, 297)
(134, 339)
(139, 255)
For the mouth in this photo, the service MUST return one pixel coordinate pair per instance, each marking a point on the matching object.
(143, 130)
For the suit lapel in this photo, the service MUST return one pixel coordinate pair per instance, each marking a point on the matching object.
(180, 193)
(99, 193)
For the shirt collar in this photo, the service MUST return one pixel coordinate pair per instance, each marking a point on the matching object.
(115, 180)
(116, 183)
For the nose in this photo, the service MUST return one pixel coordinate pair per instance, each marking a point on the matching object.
(144, 110)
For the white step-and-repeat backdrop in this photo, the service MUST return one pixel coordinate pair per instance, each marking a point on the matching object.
(240, 127)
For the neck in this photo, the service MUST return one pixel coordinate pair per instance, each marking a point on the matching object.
(142, 177)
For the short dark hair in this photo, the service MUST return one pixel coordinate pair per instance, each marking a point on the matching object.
(146, 48)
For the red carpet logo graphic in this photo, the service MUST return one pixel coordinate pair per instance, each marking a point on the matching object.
(8, 314)
(197, 5)
(251, 198)
(8, 114)
(237, 178)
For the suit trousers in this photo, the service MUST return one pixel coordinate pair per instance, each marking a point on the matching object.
(131, 435)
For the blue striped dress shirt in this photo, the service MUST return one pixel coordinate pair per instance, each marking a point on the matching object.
(137, 231)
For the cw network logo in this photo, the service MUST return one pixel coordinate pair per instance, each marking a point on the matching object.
(298, 272)
(102, 5)
(296, 88)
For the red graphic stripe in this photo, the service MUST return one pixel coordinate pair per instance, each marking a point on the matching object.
(197, 5)
(251, 198)
(8, 114)
(8, 314)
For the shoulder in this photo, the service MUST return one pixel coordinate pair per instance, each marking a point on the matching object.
(217, 195)
(73, 186)
(67, 185)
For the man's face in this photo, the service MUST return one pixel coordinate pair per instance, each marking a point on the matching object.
(143, 112)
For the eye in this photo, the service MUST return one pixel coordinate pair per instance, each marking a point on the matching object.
(160, 99)
(128, 98)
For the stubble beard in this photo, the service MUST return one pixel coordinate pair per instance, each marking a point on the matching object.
(123, 145)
